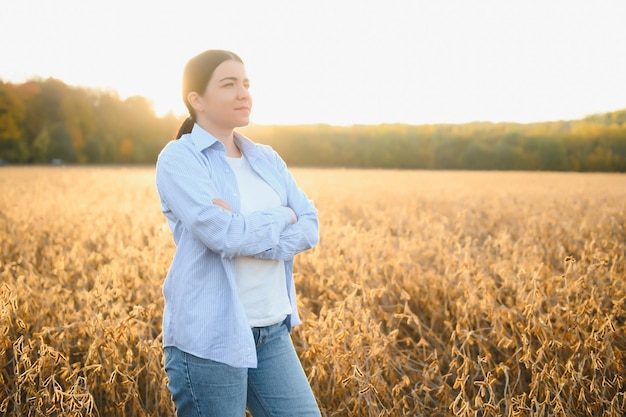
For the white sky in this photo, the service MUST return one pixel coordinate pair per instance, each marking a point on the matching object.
(339, 61)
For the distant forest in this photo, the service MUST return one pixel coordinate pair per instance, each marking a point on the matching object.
(46, 120)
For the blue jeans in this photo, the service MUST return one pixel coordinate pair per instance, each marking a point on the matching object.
(277, 387)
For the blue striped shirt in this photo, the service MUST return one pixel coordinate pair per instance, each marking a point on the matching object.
(203, 315)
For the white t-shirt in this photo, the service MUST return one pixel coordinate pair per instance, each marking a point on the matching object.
(261, 283)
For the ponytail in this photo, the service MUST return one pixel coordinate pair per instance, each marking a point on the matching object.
(186, 127)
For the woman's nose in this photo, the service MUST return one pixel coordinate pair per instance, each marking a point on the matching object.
(243, 92)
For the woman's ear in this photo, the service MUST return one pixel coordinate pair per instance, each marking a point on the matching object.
(194, 99)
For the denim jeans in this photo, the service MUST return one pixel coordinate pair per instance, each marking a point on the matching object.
(277, 387)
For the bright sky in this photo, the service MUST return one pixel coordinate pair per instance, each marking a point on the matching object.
(338, 61)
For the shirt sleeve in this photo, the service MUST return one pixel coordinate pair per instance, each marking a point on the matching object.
(187, 192)
(302, 235)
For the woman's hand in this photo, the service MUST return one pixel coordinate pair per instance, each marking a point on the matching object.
(294, 217)
(223, 204)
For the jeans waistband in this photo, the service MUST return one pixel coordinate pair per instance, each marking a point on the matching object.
(261, 333)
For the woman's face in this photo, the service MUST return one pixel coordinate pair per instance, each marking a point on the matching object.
(226, 102)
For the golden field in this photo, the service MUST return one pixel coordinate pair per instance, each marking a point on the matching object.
(430, 293)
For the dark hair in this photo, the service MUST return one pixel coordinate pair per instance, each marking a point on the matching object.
(196, 76)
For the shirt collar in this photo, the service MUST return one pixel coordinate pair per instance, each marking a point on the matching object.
(203, 140)
(245, 145)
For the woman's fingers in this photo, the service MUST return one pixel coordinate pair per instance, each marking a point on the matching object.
(223, 204)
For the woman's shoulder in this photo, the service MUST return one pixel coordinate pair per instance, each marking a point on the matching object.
(177, 149)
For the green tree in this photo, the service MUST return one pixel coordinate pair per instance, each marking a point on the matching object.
(40, 146)
(11, 114)
(551, 154)
(93, 150)
(11, 117)
(61, 144)
(478, 155)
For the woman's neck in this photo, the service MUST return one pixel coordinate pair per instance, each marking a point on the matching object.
(232, 149)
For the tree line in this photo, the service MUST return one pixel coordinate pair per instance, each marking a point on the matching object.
(44, 120)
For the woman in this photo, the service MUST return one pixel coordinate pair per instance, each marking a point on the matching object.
(238, 219)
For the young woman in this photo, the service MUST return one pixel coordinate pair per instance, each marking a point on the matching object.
(238, 218)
